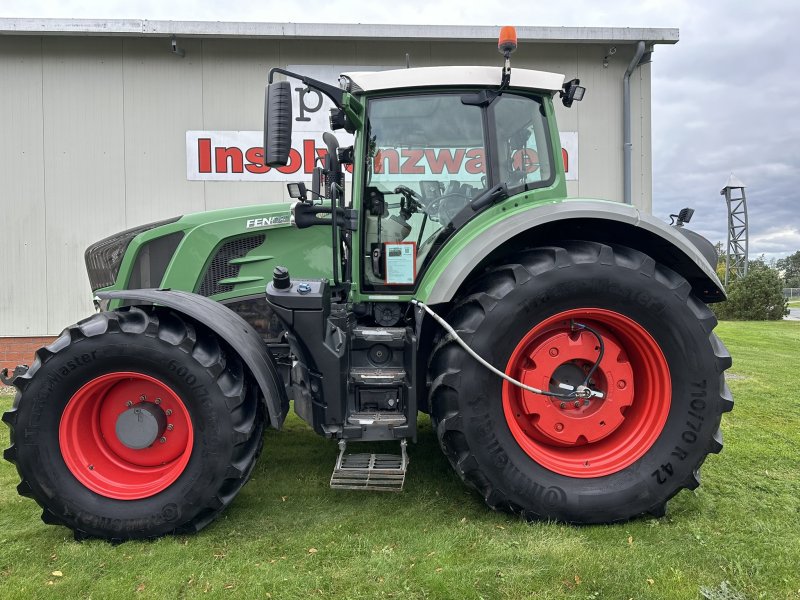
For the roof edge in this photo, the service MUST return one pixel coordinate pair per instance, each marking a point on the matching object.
(254, 30)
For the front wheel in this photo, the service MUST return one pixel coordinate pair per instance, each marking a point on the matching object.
(555, 319)
(134, 424)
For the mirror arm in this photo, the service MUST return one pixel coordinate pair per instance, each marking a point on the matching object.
(331, 91)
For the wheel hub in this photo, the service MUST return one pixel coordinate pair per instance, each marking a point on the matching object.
(559, 361)
(126, 435)
(141, 425)
(595, 427)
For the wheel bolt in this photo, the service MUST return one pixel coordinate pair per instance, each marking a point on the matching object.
(621, 384)
(553, 351)
(91, 467)
(170, 427)
(129, 403)
(577, 404)
(169, 411)
(559, 427)
(586, 402)
(158, 400)
(142, 398)
(163, 439)
(563, 405)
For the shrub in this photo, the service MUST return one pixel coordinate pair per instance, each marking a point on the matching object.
(758, 296)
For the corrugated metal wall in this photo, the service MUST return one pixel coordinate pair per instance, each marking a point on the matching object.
(93, 140)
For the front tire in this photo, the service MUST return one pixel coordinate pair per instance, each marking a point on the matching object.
(606, 460)
(134, 424)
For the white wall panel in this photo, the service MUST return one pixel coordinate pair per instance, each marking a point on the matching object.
(234, 76)
(162, 99)
(23, 293)
(600, 122)
(84, 175)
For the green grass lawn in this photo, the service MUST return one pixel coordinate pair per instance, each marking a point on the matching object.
(289, 536)
(794, 303)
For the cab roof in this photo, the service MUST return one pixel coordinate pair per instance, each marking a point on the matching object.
(370, 81)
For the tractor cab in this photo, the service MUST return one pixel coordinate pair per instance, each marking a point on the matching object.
(434, 147)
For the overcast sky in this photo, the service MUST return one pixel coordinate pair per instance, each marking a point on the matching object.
(723, 97)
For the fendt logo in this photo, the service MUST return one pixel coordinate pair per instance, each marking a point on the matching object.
(239, 155)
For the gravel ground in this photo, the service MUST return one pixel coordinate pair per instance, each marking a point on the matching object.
(7, 390)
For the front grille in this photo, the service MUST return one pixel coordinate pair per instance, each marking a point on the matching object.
(220, 268)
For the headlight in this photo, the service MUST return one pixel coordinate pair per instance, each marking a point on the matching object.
(103, 258)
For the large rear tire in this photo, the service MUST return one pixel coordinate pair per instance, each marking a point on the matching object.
(134, 424)
(598, 461)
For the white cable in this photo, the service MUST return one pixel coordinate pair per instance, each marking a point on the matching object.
(472, 353)
(580, 390)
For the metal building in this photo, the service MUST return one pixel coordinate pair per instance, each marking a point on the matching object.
(110, 124)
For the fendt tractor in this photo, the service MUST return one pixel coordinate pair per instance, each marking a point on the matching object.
(562, 347)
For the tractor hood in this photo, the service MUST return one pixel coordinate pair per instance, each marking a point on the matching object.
(223, 254)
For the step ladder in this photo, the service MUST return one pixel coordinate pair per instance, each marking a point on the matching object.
(380, 472)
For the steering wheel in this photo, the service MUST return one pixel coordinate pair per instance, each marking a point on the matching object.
(414, 202)
(410, 195)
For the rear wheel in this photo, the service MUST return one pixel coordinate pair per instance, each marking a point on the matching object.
(621, 453)
(134, 424)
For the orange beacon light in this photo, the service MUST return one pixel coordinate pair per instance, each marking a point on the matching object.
(507, 41)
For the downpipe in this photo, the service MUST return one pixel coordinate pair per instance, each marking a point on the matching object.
(627, 147)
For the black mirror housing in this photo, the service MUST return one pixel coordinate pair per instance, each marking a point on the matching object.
(316, 181)
(277, 123)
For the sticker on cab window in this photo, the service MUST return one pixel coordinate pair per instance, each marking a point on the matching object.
(401, 262)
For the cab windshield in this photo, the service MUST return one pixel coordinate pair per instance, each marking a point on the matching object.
(428, 156)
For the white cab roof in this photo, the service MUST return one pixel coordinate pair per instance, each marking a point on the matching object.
(369, 81)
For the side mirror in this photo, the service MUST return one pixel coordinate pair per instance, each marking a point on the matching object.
(316, 181)
(277, 123)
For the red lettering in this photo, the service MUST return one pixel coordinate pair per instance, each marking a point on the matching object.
(410, 166)
(565, 158)
(309, 147)
(204, 155)
(445, 160)
(294, 164)
(235, 155)
(476, 162)
(255, 160)
(526, 160)
(391, 156)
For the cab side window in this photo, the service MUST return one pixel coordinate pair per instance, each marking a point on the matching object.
(521, 141)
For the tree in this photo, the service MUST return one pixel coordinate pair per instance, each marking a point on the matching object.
(758, 296)
(790, 268)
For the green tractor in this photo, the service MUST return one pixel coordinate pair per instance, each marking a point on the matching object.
(562, 347)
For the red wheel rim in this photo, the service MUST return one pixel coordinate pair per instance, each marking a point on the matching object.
(96, 455)
(601, 436)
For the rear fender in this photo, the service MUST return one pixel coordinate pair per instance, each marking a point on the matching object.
(229, 326)
(480, 245)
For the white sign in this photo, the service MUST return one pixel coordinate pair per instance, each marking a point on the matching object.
(239, 155)
(401, 262)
